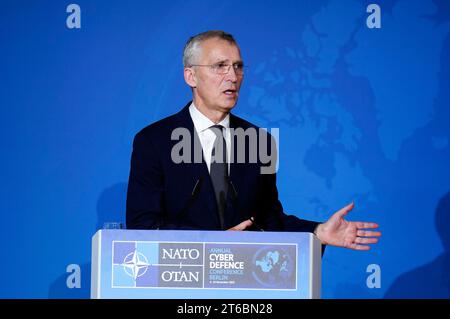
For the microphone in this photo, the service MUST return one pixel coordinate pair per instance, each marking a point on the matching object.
(196, 188)
(191, 198)
(256, 224)
(235, 195)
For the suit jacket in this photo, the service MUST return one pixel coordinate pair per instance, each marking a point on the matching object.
(165, 195)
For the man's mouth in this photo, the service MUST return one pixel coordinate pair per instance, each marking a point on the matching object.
(230, 92)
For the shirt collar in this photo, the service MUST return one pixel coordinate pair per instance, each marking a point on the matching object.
(201, 122)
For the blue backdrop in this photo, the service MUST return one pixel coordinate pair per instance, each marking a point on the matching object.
(363, 115)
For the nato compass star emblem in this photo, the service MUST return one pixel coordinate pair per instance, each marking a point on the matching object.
(135, 264)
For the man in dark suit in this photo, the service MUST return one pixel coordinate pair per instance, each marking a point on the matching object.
(204, 168)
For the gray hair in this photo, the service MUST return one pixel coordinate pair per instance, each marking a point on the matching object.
(192, 48)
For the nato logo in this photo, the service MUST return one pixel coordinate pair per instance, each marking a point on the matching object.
(135, 264)
(275, 267)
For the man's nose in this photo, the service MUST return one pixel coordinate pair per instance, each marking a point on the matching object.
(231, 75)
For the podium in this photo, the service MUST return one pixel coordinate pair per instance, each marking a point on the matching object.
(170, 264)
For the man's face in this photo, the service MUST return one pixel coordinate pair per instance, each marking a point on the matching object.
(217, 92)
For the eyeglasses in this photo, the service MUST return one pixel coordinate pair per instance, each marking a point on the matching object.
(223, 68)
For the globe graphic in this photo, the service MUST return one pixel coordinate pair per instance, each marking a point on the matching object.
(273, 267)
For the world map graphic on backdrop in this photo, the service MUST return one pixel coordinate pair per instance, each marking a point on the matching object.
(300, 90)
(340, 93)
(316, 92)
(362, 115)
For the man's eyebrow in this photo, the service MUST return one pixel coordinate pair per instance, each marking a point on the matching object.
(228, 60)
(222, 61)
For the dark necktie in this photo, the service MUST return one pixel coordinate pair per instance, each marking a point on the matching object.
(219, 171)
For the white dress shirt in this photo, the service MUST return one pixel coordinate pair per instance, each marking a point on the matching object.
(207, 137)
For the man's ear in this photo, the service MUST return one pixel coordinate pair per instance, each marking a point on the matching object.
(189, 77)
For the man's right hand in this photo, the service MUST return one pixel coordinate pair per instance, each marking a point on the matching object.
(242, 226)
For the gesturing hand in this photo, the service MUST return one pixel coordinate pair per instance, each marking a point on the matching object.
(242, 226)
(339, 232)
